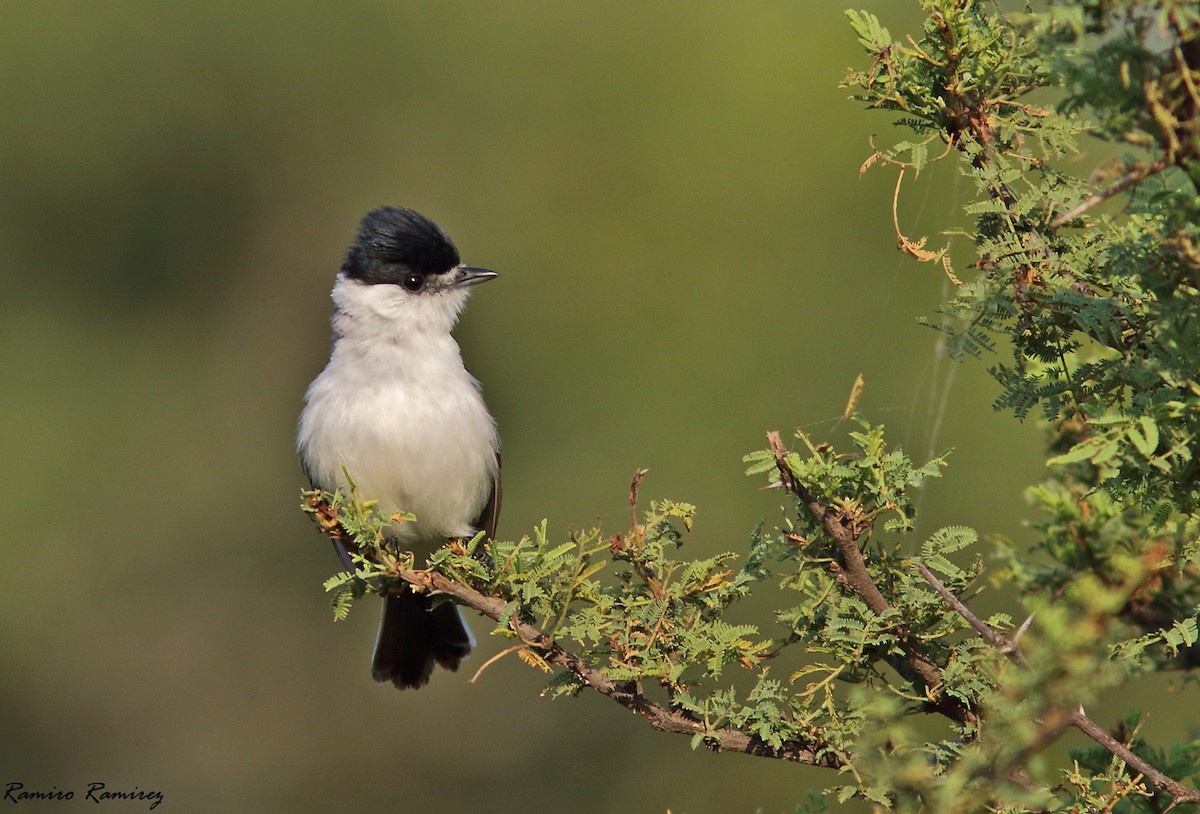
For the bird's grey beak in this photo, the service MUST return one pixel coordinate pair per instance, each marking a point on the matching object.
(468, 275)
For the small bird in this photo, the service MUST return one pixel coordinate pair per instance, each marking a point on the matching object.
(396, 410)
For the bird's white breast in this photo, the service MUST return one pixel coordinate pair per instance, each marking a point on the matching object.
(398, 411)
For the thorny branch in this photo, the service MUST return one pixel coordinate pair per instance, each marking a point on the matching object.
(854, 576)
(627, 694)
(1074, 717)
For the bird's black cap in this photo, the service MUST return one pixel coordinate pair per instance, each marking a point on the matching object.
(393, 243)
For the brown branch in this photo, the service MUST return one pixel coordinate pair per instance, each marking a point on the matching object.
(855, 576)
(989, 633)
(1077, 717)
(1170, 785)
(627, 694)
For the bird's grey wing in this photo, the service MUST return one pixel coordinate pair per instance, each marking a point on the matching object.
(490, 516)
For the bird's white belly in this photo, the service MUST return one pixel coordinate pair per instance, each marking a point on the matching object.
(427, 449)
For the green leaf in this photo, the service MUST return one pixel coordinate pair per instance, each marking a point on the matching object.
(1080, 452)
(1147, 440)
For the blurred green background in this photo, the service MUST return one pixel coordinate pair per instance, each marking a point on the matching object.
(689, 258)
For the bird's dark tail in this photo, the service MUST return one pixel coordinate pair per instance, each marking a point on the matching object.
(413, 636)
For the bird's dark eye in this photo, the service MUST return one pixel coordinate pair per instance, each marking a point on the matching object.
(413, 282)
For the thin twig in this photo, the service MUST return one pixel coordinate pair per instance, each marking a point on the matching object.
(1076, 717)
(993, 637)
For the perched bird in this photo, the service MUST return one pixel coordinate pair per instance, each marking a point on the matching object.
(396, 410)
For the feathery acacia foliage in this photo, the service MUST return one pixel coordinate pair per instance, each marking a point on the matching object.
(874, 663)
